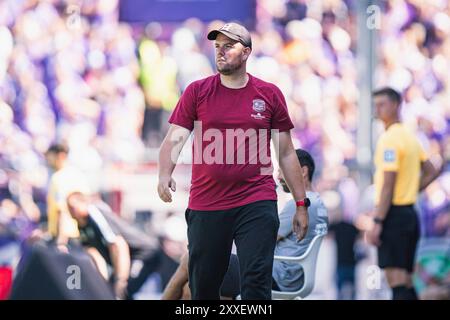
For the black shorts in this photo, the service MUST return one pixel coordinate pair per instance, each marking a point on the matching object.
(399, 237)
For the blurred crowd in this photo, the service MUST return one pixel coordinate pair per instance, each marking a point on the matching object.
(71, 72)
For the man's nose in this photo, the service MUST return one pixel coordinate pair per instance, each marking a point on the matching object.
(220, 52)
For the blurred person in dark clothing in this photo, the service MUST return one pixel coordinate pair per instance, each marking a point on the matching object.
(345, 234)
(18, 230)
(15, 225)
(112, 241)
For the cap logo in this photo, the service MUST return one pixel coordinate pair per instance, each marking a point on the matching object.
(226, 27)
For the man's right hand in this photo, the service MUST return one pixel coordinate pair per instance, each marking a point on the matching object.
(120, 289)
(166, 184)
(372, 236)
(63, 248)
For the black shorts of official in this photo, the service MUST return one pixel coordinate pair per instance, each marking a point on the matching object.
(399, 237)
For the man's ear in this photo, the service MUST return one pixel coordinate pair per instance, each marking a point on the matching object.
(247, 52)
(305, 171)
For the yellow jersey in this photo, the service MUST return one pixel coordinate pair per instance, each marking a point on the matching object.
(62, 183)
(399, 150)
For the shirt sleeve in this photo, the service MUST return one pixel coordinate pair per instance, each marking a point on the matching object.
(103, 225)
(286, 216)
(185, 112)
(390, 155)
(280, 118)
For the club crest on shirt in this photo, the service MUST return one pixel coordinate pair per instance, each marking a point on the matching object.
(389, 155)
(259, 105)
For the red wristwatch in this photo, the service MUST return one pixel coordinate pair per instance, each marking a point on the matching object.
(303, 203)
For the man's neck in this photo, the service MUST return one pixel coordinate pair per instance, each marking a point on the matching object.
(387, 124)
(308, 186)
(82, 222)
(237, 80)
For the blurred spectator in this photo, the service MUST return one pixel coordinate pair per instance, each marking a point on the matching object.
(15, 225)
(346, 236)
(132, 254)
(17, 232)
(64, 180)
(432, 277)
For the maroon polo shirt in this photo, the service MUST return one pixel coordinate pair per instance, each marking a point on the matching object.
(231, 150)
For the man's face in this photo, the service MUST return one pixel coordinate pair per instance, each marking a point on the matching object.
(385, 108)
(283, 182)
(51, 160)
(77, 206)
(56, 160)
(230, 54)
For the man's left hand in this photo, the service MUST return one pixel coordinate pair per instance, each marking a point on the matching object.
(300, 222)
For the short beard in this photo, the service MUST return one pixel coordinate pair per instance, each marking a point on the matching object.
(227, 69)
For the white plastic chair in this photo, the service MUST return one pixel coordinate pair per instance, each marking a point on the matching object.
(308, 263)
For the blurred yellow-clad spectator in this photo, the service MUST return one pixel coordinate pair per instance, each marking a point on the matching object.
(64, 180)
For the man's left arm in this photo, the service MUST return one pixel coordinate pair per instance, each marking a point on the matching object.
(381, 211)
(289, 164)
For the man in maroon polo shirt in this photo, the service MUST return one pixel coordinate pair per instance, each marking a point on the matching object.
(234, 115)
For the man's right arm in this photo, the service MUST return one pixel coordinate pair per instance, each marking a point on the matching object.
(62, 225)
(168, 156)
(174, 289)
(120, 256)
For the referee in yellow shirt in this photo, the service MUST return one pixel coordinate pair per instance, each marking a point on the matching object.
(402, 170)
